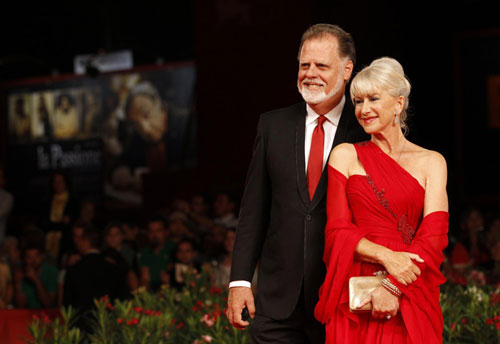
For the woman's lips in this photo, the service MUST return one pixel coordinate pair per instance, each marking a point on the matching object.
(368, 120)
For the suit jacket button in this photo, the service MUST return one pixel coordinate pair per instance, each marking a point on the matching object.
(308, 217)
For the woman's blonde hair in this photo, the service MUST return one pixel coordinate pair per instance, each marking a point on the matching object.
(385, 74)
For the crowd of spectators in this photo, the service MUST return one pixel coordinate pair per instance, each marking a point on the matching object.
(68, 257)
(473, 252)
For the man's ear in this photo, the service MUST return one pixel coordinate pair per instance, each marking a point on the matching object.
(348, 67)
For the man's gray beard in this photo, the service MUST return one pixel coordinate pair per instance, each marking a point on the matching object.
(316, 98)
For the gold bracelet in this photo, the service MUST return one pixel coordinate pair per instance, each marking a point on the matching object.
(387, 284)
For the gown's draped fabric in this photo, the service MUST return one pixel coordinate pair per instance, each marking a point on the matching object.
(384, 206)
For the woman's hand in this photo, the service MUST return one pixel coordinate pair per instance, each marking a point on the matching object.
(384, 304)
(401, 266)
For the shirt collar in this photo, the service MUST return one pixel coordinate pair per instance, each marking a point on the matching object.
(333, 116)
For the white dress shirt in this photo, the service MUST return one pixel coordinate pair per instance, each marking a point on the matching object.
(330, 128)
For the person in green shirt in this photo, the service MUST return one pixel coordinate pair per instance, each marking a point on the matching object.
(35, 283)
(154, 259)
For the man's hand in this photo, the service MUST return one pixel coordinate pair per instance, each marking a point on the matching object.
(239, 298)
(31, 274)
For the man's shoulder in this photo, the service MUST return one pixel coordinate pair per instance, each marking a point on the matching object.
(287, 113)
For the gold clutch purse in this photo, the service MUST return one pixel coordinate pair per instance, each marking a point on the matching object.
(360, 288)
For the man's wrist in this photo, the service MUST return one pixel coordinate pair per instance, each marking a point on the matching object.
(234, 284)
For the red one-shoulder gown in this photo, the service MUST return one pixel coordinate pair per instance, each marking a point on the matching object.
(384, 206)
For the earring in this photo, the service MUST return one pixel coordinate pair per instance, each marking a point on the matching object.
(396, 120)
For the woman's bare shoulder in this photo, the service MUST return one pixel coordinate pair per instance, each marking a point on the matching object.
(343, 151)
(432, 163)
(342, 157)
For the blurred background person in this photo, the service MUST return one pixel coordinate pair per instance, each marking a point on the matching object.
(184, 264)
(224, 211)
(213, 243)
(220, 269)
(6, 288)
(36, 281)
(113, 240)
(6, 204)
(93, 276)
(59, 210)
(468, 249)
(156, 256)
(69, 259)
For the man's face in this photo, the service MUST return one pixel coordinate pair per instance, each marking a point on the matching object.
(198, 205)
(185, 253)
(33, 258)
(114, 238)
(223, 205)
(156, 233)
(322, 72)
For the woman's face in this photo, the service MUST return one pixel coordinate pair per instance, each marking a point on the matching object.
(375, 112)
(475, 221)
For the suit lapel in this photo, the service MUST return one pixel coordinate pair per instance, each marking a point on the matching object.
(300, 134)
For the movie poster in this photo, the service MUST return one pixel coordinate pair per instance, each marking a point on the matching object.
(140, 122)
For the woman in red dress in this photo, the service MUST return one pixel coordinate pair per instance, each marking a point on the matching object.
(387, 212)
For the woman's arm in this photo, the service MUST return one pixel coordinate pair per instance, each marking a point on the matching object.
(431, 238)
(436, 198)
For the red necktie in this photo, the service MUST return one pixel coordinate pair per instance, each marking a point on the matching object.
(315, 163)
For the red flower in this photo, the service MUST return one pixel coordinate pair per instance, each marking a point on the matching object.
(104, 298)
(35, 317)
(46, 319)
(497, 317)
(453, 326)
(158, 313)
(180, 325)
(489, 321)
(495, 298)
(134, 321)
(498, 326)
(214, 290)
(110, 306)
(464, 321)
(196, 308)
(138, 309)
(119, 321)
(173, 321)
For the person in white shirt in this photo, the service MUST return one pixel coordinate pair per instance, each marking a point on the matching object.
(282, 216)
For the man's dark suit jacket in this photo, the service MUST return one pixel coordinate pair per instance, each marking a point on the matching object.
(279, 227)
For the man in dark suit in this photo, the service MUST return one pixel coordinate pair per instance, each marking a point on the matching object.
(283, 215)
(93, 277)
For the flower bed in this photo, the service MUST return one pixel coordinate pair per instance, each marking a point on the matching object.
(195, 315)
